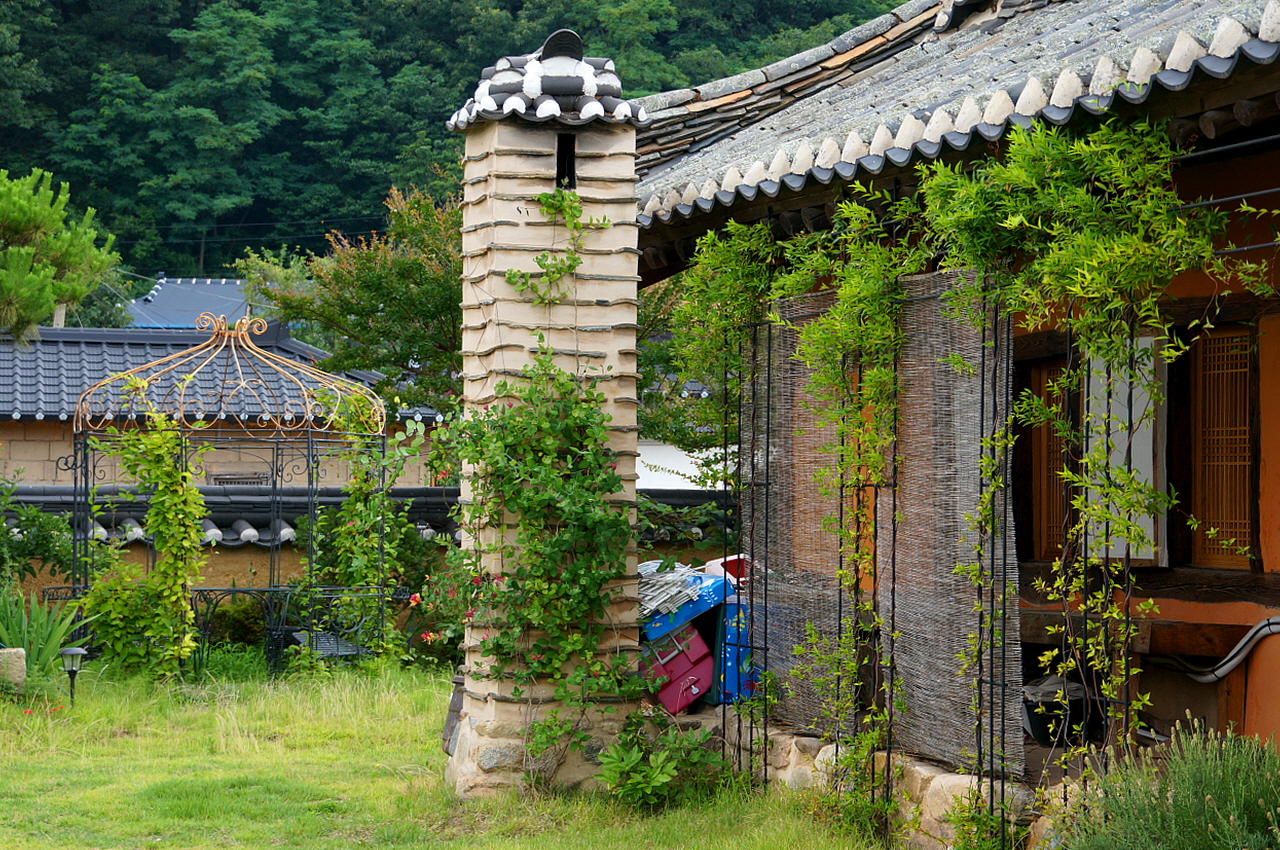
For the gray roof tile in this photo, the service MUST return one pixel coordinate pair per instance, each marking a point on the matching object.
(921, 71)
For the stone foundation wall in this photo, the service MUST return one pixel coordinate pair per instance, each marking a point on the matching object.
(927, 792)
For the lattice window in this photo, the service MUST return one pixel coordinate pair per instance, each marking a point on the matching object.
(1222, 449)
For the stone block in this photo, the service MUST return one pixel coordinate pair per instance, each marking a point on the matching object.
(13, 666)
(493, 757)
(29, 450)
(825, 765)
(808, 747)
(613, 139)
(1040, 835)
(916, 776)
(618, 166)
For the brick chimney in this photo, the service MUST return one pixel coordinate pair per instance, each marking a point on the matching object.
(549, 119)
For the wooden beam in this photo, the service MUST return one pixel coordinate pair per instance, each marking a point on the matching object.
(1154, 637)
(1249, 112)
(1217, 122)
(1185, 584)
(1033, 346)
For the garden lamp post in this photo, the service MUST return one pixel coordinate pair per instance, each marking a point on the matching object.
(72, 658)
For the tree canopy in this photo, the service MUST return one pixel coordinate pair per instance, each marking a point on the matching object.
(389, 303)
(200, 128)
(48, 259)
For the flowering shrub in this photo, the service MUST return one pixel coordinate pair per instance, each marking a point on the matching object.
(449, 598)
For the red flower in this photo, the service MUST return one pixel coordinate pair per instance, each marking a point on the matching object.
(414, 599)
(451, 594)
(27, 711)
(475, 579)
(469, 615)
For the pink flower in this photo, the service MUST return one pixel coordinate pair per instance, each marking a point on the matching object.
(414, 599)
(469, 615)
(451, 594)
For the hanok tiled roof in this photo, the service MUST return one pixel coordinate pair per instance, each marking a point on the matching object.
(554, 83)
(177, 302)
(43, 379)
(927, 78)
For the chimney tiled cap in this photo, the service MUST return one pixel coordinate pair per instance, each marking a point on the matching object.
(554, 83)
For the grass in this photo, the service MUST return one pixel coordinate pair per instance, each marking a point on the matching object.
(349, 761)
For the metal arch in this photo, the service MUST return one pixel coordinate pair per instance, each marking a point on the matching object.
(231, 382)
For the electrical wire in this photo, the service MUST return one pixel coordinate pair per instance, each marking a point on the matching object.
(211, 225)
(216, 239)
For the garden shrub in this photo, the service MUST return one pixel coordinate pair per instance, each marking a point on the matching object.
(1214, 790)
(238, 621)
(655, 763)
(137, 623)
(36, 540)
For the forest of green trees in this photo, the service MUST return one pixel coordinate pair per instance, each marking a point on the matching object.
(200, 128)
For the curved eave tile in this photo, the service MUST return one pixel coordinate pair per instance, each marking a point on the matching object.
(898, 156)
(928, 149)
(957, 140)
(846, 170)
(769, 187)
(991, 132)
(1173, 80)
(1057, 115)
(1134, 92)
(1256, 51)
(1219, 67)
(1261, 52)
(873, 164)
(794, 182)
(1096, 104)
(822, 175)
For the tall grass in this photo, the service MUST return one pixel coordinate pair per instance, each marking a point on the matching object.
(352, 760)
(1207, 791)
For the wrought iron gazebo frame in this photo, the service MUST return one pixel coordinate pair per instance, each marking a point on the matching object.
(288, 420)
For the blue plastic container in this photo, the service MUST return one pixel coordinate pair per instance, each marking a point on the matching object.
(712, 591)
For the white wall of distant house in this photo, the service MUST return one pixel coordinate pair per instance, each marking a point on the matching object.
(672, 465)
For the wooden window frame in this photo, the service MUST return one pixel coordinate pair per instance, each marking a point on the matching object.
(1198, 551)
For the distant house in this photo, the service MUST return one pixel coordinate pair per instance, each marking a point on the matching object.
(176, 302)
(39, 388)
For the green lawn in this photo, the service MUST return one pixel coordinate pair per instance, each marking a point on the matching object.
(354, 760)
